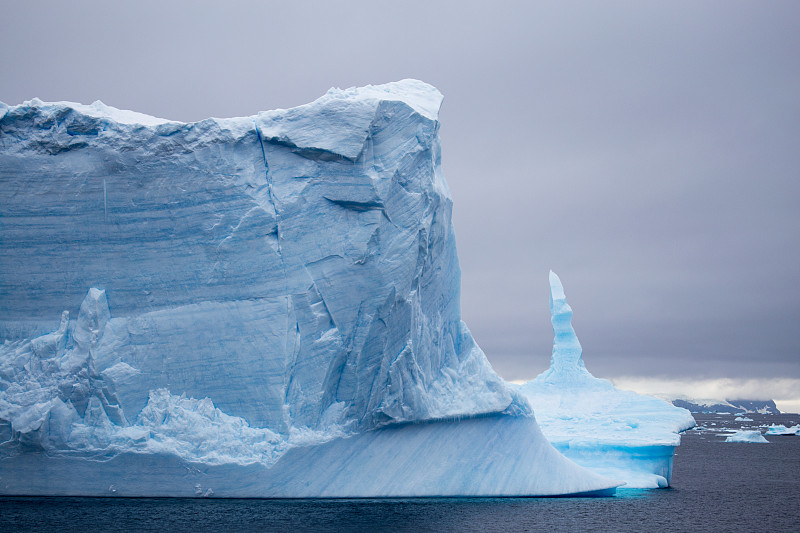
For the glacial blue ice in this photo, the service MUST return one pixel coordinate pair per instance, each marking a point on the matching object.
(617, 433)
(255, 306)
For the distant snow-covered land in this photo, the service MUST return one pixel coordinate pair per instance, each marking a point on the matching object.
(727, 406)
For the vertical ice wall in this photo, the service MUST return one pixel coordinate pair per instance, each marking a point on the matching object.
(298, 268)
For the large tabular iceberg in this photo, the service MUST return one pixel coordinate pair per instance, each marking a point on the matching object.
(258, 306)
(617, 433)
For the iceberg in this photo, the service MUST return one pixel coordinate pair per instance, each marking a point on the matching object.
(780, 429)
(750, 436)
(619, 434)
(264, 306)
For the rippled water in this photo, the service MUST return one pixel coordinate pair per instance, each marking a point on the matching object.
(717, 486)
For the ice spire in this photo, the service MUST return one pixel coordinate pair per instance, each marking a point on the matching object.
(566, 348)
(625, 435)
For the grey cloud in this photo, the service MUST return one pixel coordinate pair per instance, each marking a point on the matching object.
(648, 154)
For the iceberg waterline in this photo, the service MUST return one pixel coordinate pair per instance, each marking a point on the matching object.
(617, 433)
(260, 306)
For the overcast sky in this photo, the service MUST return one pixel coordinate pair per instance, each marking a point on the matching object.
(647, 153)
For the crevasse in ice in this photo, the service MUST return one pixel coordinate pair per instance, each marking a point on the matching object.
(256, 306)
(617, 433)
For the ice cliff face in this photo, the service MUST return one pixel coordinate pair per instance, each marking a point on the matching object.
(291, 275)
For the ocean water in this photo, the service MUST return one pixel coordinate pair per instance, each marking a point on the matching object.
(716, 486)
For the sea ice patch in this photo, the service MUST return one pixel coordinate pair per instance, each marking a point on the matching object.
(748, 436)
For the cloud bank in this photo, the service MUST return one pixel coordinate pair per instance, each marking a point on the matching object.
(785, 391)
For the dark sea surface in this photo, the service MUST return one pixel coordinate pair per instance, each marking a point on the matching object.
(716, 486)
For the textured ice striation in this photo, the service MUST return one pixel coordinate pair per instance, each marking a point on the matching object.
(617, 433)
(257, 306)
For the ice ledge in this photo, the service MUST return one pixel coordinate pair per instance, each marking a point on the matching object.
(418, 95)
(340, 122)
(482, 457)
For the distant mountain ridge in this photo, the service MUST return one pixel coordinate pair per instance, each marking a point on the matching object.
(764, 407)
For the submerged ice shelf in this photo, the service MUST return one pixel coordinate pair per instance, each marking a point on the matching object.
(256, 306)
(617, 433)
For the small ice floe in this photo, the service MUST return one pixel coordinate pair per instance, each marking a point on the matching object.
(751, 436)
(780, 429)
(742, 419)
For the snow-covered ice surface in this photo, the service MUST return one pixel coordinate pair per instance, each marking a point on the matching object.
(617, 433)
(260, 306)
(746, 435)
